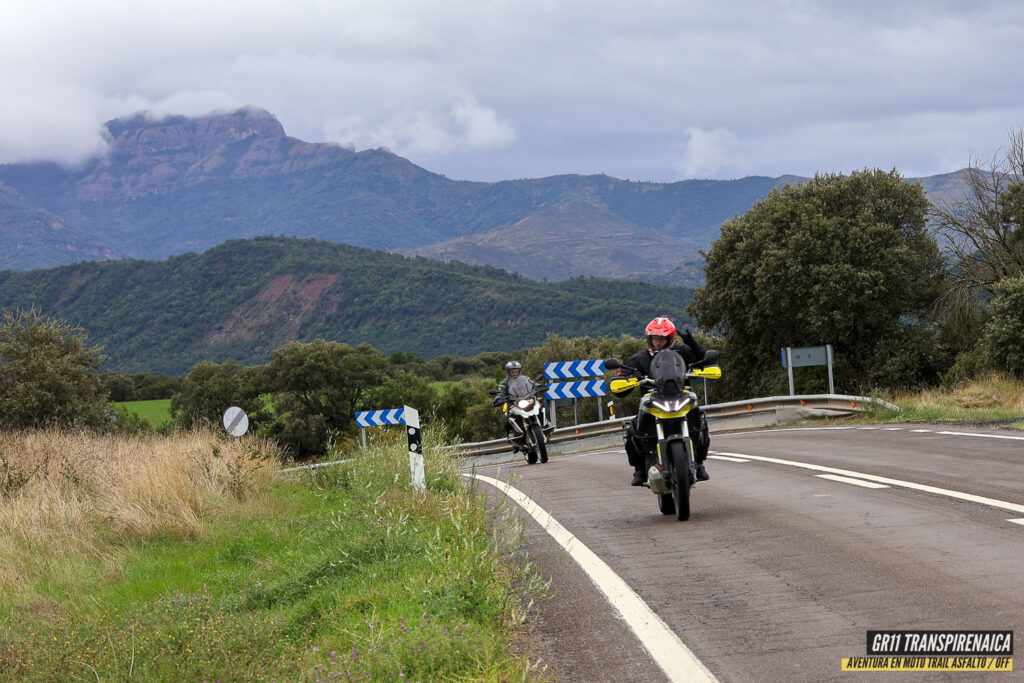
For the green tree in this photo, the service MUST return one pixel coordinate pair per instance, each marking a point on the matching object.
(845, 260)
(1004, 333)
(210, 388)
(317, 388)
(49, 376)
(401, 388)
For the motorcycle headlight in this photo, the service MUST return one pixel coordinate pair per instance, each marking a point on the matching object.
(525, 403)
(671, 405)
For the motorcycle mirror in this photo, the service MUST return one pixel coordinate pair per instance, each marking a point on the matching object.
(612, 364)
(710, 357)
(493, 392)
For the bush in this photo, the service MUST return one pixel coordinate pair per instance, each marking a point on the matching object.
(49, 377)
(209, 389)
(1004, 333)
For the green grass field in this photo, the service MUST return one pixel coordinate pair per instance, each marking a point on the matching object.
(341, 572)
(157, 412)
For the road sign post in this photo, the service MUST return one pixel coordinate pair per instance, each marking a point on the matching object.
(562, 391)
(808, 356)
(410, 417)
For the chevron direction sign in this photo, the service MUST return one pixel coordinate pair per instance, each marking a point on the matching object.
(376, 418)
(590, 387)
(574, 368)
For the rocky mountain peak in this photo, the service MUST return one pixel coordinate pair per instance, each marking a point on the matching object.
(143, 135)
(153, 156)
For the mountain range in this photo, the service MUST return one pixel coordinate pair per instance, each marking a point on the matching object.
(242, 299)
(175, 185)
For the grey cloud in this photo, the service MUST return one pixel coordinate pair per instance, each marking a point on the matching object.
(654, 89)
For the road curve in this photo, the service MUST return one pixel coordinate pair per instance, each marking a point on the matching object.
(803, 541)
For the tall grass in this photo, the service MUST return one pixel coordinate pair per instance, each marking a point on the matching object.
(64, 491)
(192, 557)
(992, 397)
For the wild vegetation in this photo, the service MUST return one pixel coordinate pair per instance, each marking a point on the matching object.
(192, 557)
(991, 398)
(850, 261)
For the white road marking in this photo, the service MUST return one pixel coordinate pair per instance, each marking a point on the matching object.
(730, 459)
(722, 435)
(675, 659)
(1016, 521)
(855, 482)
(992, 502)
(984, 436)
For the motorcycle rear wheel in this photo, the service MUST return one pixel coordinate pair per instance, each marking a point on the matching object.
(538, 438)
(680, 479)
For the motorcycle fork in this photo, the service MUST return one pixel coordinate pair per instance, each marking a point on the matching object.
(660, 431)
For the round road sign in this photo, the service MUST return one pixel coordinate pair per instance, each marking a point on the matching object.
(236, 421)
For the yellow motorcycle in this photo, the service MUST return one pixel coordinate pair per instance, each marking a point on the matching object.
(671, 468)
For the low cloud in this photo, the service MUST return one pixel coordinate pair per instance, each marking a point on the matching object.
(708, 152)
(465, 126)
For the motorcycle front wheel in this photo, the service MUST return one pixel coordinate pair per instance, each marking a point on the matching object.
(680, 479)
(538, 439)
(666, 504)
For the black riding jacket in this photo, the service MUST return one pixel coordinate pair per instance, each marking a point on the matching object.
(640, 363)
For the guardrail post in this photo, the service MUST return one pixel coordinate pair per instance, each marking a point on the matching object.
(412, 430)
(789, 367)
(831, 386)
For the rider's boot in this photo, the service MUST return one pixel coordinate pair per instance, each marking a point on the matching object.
(702, 473)
(639, 476)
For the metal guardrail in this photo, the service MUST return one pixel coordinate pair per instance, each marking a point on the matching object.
(757, 412)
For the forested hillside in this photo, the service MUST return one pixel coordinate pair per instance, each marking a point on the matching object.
(245, 298)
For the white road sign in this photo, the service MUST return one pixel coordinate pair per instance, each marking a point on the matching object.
(236, 421)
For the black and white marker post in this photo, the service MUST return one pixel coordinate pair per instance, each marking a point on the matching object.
(412, 430)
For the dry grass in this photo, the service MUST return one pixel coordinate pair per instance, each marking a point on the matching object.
(68, 494)
(992, 397)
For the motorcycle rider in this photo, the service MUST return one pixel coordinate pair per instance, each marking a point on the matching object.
(522, 385)
(660, 334)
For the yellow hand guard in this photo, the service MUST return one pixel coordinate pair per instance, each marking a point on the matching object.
(620, 385)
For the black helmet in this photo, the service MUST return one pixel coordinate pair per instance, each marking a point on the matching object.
(513, 365)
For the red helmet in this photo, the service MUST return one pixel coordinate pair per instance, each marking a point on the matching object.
(659, 327)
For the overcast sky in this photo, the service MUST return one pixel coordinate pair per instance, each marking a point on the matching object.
(657, 90)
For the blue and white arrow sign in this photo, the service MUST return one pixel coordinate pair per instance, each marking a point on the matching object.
(591, 387)
(574, 368)
(376, 418)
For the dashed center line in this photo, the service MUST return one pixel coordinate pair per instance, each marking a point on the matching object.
(855, 482)
(960, 495)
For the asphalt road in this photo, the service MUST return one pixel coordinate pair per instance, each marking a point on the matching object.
(780, 572)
